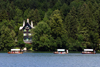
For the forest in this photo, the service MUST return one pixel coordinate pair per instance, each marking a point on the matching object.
(67, 24)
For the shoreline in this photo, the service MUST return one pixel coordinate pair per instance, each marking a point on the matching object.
(44, 52)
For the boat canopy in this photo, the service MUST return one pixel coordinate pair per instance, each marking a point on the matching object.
(15, 49)
(60, 49)
(88, 49)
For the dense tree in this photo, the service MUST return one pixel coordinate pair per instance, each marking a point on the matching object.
(27, 13)
(20, 43)
(41, 35)
(71, 24)
(2, 4)
(3, 15)
(20, 35)
(76, 4)
(36, 16)
(57, 27)
(30, 14)
(58, 4)
(28, 46)
(88, 23)
(47, 15)
(97, 18)
(64, 9)
(18, 16)
(7, 38)
(10, 10)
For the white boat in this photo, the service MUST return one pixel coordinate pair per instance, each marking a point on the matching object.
(15, 51)
(61, 51)
(89, 51)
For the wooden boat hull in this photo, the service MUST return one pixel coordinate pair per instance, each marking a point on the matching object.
(60, 53)
(88, 53)
(15, 52)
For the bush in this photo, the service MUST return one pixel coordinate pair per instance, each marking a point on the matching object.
(28, 46)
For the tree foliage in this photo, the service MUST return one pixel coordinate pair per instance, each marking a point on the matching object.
(7, 38)
(69, 24)
(41, 35)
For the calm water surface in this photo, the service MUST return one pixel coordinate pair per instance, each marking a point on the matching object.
(49, 60)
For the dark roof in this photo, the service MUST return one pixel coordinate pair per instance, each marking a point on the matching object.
(27, 24)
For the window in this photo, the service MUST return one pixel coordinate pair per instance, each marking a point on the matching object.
(29, 34)
(24, 34)
(29, 30)
(24, 30)
(26, 27)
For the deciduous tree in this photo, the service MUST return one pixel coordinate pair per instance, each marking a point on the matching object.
(7, 38)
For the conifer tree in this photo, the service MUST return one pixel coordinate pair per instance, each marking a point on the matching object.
(36, 16)
(71, 22)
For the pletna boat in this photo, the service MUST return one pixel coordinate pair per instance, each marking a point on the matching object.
(15, 51)
(61, 51)
(89, 51)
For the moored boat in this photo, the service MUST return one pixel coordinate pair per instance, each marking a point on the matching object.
(15, 51)
(89, 51)
(61, 51)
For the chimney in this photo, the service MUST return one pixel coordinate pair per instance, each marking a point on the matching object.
(27, 20)
(23, 23)
(32, 24)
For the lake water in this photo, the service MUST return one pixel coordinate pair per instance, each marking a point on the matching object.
(49, 60)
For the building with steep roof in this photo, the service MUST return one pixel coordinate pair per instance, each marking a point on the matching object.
(26, 28)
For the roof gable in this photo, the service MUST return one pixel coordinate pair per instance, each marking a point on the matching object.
(27, 25)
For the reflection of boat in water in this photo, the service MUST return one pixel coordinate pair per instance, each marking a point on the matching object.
(15, 51)
(89, 51)
(61, 51)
